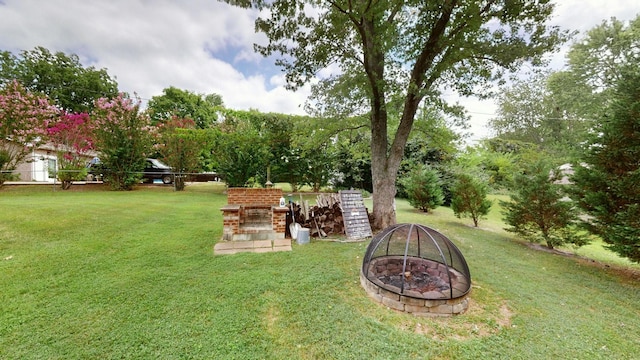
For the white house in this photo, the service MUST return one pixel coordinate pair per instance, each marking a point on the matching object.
(41, 165)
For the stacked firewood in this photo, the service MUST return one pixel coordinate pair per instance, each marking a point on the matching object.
(322, 220)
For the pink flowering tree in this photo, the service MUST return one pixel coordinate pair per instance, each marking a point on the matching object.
(72, 137)
(121, 134)
(24, 119)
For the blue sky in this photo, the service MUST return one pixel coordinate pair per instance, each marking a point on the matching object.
(206, 46)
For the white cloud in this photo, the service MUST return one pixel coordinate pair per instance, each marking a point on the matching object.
(278, 80)
(148, 46)
(151, 45)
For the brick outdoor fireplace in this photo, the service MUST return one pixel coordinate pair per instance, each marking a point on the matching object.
(252, 217)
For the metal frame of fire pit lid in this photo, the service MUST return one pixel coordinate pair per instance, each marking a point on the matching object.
(417, 241)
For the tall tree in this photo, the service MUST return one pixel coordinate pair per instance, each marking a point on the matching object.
(353, 160)
(581, 93)
(534, 110)
(180, 146)
(596, 59)
(24, 117)
(67, 83)
(320, 166)
(608, 186)
(122, 139)
(522, 108)
(402, 52)
(242, 157)
(72, 137)
(242, 150)
(184, 104)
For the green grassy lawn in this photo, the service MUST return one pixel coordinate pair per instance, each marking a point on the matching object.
(105, 275)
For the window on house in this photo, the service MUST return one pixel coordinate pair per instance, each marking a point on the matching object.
(52, 168)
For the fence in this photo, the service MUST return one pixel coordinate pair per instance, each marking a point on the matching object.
(48, 176)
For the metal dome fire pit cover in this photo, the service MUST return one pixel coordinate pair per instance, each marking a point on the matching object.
(416, 269)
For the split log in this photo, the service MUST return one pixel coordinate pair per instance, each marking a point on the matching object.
(327, 200)
(321, 221)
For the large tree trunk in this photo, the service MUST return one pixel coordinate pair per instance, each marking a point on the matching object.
(384, 171)
(385, 159)
(384, 192)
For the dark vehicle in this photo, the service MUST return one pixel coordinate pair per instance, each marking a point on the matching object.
(204, 177)
(95, 170)
(156, 169)
(153, 169)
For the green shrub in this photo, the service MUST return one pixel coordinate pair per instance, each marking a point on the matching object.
(538, 210)
(423, 188)
(470, 198)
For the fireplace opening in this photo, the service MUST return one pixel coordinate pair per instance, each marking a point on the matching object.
(414, 268)
(258, 217)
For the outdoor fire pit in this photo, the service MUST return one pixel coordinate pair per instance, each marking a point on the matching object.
(416, 269)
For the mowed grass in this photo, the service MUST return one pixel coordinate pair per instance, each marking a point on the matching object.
(100, 274)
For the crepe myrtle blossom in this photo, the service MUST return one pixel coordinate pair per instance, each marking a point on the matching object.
(122, 137)
(72, 137)
(72, 133)
(24, 116)
(24, 120)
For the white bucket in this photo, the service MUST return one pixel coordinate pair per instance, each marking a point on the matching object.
(303, 236)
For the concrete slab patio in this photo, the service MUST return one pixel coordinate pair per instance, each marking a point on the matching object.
(255, 246)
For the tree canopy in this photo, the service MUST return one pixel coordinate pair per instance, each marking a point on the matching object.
(24, 117)
(122, 139)
(596, 59)
(400, 52)
(184, 104)
(67, 83)
(607, 187)
(180, 145)
(72, 138)
(595, 64)
(556, 110)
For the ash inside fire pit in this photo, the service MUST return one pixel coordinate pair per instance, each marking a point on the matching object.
(421, 278)
(420, 282)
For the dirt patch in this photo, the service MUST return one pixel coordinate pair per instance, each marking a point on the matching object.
(271, 317)
(505, 316)
(543, 248)
(476, 322)
(624, 273)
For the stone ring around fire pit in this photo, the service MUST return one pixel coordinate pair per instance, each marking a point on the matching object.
(415, 269)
